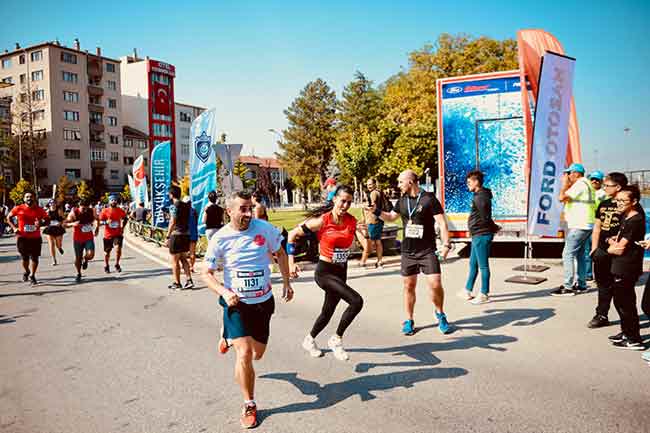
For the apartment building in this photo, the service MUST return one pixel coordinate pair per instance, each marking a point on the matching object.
(5, 132)
(185, 115)
(149, 105)
(75, 99)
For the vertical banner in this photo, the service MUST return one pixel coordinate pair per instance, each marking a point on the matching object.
(550, 141)
(132, 189)
(143, 193)
(161, 179)
(203, 162)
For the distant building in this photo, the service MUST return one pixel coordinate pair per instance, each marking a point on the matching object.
(136, 143)
(255, 164)
(76, 108)
(185, 115)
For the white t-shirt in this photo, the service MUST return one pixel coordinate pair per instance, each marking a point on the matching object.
(245, 257)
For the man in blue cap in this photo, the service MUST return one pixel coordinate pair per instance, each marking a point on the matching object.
(596, 180)
(579, 200)
(114, 220)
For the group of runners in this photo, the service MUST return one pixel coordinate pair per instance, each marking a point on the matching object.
(28, 218)
(245, 248)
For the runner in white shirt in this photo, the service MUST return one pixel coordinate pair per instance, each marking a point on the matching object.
(244, 248)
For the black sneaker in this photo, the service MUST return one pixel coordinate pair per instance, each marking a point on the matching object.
(26, 277)
(629, 344)
(118, 268)
(562, 291)
(175, 286)
(598, 321)
(616, 338)
(78, 278)
(32, 281)
(580, 290)
(60, 250)
(84, 264)
(107, 269)
(189, 284)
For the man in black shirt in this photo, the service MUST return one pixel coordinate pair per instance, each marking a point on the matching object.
(178, 239)
(418, 210)
(627, 266)
(606, 225)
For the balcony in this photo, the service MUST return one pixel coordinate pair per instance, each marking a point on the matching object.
(96, 108)
(98, 164)
(97, 142)
(96, 127)
(95, 90)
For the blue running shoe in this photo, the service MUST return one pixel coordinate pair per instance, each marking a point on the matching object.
(646, 356)
(407, 327)
(443, 324)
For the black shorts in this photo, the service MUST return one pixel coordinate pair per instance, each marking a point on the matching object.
(115, 241)
(414, 263)
(29, 247)
(248, 320)
(179, 244)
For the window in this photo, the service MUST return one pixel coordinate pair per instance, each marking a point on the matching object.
(37, 75)
(38, 95)
(72, 153)
(112, 85)
(128, 142)
(97, 155)
(73, 173)
(185, 133)
(38, 115)
(71, 115)
(70, 77)
(21, 59)
(110, 67)
(8, 80)
(160, 78)
(112, 103)
(71, 134)
(185, 148)
(95, 117)
(112, 121)
(23, 78)
(68, 57)
(115, 156)
(6, 63)
(95, 100)
(162, 130)
(70, 96)
(115, 174)
(157, 116)
(128, 160)
(114, 139)
(37, 56)
(185, 117)
(142, 144)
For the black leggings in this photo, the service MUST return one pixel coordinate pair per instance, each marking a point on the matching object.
(331, 278)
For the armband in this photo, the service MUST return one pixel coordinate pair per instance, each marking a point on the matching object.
(291, 249)
(306, 229)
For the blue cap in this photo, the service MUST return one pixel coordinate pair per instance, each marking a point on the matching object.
(598, 175)
(575, 167)
(113, 197)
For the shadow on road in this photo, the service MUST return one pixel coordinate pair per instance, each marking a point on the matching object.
(39, 293)
(331, 394)
(497, 318)
(423, 353)
(508, 297)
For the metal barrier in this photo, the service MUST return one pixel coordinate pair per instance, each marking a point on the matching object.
(158, 236)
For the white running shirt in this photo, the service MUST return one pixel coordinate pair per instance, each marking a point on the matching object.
(245, 257)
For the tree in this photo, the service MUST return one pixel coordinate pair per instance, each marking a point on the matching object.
(409, 127)
(63, 188)
(125, 195)
(242, 171)
(358, 145)
(309, 141)
(18, 192)
(185, 185)
(84, 191)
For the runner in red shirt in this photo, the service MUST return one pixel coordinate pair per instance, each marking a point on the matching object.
(335, 228)
(82, 219)
(28, 233)
(114, 220)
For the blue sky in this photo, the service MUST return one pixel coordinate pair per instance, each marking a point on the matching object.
(251, 58)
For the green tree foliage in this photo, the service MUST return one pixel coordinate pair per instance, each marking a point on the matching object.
(309, 140)
(410, 123)
(185, 185)
(241, 171)
(125, 195)
(84, 191)
(18, 191)
(63, 188)
(359, 145)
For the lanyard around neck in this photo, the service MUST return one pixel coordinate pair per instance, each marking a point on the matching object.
(408, 204)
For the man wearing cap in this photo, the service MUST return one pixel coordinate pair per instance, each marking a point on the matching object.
(330, 188)
(579, 200)
(596, 180)
(114, 220)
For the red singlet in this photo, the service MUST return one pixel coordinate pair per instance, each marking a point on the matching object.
(335, 240)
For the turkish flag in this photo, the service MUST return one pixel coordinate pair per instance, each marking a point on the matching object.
(162, 103)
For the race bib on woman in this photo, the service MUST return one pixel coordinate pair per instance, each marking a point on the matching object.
(29, 228)
(54, 223)
(340, 255)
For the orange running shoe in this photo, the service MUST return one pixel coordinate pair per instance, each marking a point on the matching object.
(249, 416)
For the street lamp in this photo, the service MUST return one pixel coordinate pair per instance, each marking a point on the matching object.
(280, 138)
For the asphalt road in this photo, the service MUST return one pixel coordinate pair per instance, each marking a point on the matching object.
(119, 353)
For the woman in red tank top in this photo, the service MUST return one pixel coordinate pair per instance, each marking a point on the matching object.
(334, 228)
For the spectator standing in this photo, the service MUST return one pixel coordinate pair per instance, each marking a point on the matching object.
(212, 216)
